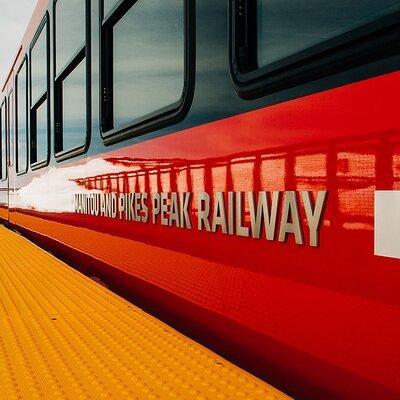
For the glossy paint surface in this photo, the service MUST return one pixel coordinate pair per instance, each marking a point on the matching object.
(314, 300)
(316, 322)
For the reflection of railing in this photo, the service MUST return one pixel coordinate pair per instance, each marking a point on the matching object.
(350, 175)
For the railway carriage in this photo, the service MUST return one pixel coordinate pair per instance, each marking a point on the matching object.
(231, 166)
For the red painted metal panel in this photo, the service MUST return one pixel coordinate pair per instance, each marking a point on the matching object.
(321, 322)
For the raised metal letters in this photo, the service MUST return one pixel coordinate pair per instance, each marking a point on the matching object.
(266, 213)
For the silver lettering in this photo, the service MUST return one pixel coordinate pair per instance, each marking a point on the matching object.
(314, 216)
(263, 212)
(113, 205)
(231, 213)
(174, 210)
(145, 209)
(240, 229)
(203, 209)
(121, 204)
(164, 208)
(155, 205)
(184, 199)
(290, 222)
(219, 215)
(137, 207)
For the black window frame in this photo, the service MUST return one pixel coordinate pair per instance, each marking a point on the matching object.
(83, 54)
(44, 25)
(370, 42)
(24, 171)
(10, 126)
(166, 116)
(3, 123)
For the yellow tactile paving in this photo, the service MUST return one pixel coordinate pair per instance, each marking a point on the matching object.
(63, 336)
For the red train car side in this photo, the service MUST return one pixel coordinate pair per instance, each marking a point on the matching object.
(232, 167)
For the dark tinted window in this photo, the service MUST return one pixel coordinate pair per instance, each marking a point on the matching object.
(39, 98)
(22, 119)
(11, 128)
(147, 61)
(70, 85)
(3, 140)
(285, 27)
(41, 132)
(70, 30)
(74, 107)
(109, 5)
(39, 67)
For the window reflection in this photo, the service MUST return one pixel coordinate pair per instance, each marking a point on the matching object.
(349, 171)
(11, 127)
(356, 202)
(197, 177)
(287, 27)
(3, 142)
(22, 113)
(39, 96)
(39, 67)
(182, 181)
(310, 165)
(70, 30)
(241, 171)
(109, 5)
(219, 178)
(166, 181)
(74, 107)
(148, 73)
(41, 132)
(273, 173)
(70, 86)
(153, 182)
(311, 171)
(396, 167)
(356, 164)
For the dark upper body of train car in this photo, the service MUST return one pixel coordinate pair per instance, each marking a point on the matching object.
(232, 166)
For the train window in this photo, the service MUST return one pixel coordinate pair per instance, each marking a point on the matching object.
(143, 78)
(3, 140)
(11, 127)
(294, 26)
(69, 30)
(39, 102)
(109, 6)
(71, 88)
(40, 122)
(21, 148)
(277, 41)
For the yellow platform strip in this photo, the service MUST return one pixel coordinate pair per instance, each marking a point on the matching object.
(63, 336)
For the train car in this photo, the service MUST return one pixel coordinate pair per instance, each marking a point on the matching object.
(231, 166)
